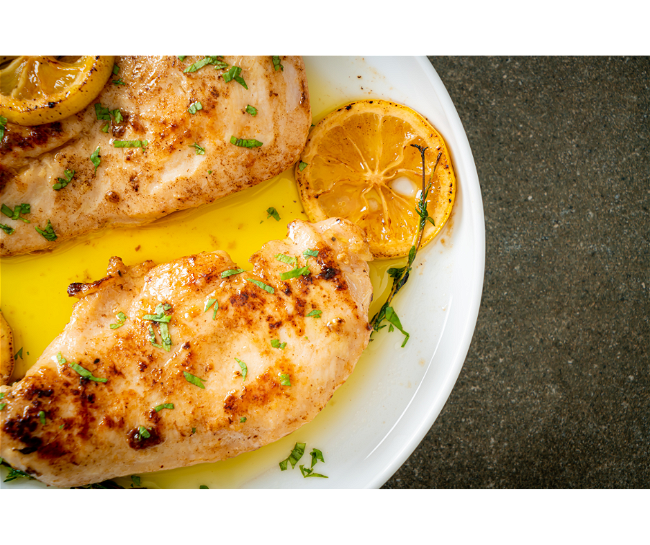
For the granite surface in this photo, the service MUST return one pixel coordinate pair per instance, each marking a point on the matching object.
(555, 390)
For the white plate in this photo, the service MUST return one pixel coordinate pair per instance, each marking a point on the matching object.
(395, 394)
(378, 417)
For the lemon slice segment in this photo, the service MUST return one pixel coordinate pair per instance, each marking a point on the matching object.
(359, 164)
(38, 90)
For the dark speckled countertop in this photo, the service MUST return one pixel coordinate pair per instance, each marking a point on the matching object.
(555, 390)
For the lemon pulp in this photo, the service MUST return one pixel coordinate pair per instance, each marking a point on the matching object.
(360, 164)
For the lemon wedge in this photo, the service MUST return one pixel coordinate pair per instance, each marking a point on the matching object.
(38, 90)
(359, 164)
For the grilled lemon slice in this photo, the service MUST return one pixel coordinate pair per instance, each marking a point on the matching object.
(38, 90)
(359, 164)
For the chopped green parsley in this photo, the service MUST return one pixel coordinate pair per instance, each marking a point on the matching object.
(41, 417)
(244, 368)
(7, 229)
(2, 406)
(251, 110)
(135, 480)
(18, 354)
(315, 314)
(116, 69)
(302, 166)
(203, 487)
(230, 272)
(60, 359)
(162, 320)
(262, 285)
(242, 419)
(159, 408)
(310, 253)
(272, 213)
(294, 457)
(62, 182)
(216, 307)
(3, 124)
(189, 377)
(102, 112)
(234, 74)
(307, 472)
(143, 433)
(286, 259)
(121, 318)
(285, 380)
(217, 60)
(17, 211)
(48, 233)
(130, 143)
(182, 57)
(152, 338)
(275, 343)
(315, 456)
(245, 143)
(195, 107)
(118, 82)
(277, 65)
(96, 158)
(85, 373)
(199, 149)
(294, 273)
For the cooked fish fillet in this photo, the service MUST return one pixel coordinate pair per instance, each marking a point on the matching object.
(133, 186)
(94, 430)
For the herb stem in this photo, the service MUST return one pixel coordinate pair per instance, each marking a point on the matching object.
(401, 275)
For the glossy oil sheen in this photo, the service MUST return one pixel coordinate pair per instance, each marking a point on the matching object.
(34, 301)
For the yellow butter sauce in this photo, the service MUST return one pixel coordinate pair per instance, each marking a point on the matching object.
(34, 301)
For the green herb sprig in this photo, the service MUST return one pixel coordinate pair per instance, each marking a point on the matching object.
(277, 65)
(272, 213)
(85, 373)
(48, 233)
(130, 143)
(245, 143)
(195, 107)
(13, 473)
(162, 320)
(244, 368)
(15, 214)
(234, 74)
(401, 275)
(217, 60)
(121, 318)
(62, 182)
(294, 457)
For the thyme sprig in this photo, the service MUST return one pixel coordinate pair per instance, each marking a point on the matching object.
(401, 274)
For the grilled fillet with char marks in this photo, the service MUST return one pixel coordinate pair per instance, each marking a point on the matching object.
(132, 186)
(102, 422)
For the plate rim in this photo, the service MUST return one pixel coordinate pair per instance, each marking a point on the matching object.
(472, 188)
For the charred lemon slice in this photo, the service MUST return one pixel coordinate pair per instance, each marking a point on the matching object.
(38, 90)
(359, 164)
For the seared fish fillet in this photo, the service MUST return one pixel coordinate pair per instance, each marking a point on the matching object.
(132, 186)
(99, 430)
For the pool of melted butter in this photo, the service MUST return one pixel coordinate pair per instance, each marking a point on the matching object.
(34, 301)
